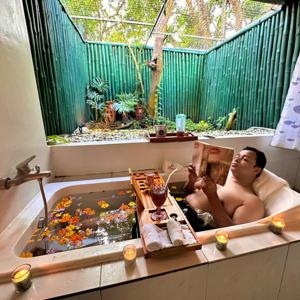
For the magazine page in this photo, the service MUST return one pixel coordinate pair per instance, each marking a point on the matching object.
(212, 160)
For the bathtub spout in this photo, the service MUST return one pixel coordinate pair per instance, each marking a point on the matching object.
(25, 174)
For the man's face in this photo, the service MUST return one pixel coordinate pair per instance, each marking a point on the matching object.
(245, 164)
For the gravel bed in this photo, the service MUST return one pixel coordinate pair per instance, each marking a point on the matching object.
(99, 135)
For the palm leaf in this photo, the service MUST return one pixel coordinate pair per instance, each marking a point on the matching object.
(99, 85)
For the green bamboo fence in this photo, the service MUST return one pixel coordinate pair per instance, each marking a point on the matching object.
(251, 71)
(60, 62)
(180, 82)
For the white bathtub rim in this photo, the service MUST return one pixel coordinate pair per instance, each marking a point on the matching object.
(57, 261)
(86, 256)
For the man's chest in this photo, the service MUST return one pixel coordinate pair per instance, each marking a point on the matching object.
(231, 199)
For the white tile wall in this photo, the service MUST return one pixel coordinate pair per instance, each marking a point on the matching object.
(255, 276)
(290, 287)
(22, 131)
(186, 284)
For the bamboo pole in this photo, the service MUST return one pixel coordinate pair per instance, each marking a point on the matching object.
(282, 62)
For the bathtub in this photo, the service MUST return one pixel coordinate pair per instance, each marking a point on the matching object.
(13, 239)
(19, 231)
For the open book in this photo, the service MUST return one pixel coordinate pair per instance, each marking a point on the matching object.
(212, 160)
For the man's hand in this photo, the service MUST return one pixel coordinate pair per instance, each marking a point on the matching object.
(192, 174)
(192, 178)
(209, 187)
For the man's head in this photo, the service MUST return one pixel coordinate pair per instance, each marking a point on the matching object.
(249, 162)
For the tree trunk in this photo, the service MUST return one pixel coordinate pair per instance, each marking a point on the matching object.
(200, 18)
(157, 57)
(237, 10)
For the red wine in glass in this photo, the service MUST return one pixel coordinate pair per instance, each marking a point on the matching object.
(158, 194)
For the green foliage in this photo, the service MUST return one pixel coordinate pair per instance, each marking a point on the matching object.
(189, 125)
(55, 140)
(198, 127)
(232, 117)
(209, 18)
(219, 123)
(126, 103)
(95, 96)
(162, 120)
(136, 124)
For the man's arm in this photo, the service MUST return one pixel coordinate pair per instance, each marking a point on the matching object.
(190, 184)
(217, 209)
(251, 210)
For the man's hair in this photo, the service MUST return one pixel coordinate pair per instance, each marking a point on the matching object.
(261, 160)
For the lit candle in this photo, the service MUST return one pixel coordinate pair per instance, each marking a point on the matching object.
(129, 254)
(277, 224)
(21, 277)
(221, 239)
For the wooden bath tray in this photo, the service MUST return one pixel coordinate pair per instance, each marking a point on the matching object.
(172, 137)
(145, 207)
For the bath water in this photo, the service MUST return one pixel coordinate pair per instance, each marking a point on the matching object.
(84, 220)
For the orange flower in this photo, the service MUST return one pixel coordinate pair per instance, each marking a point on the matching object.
(88, 211)
(65, 218)
(130, 211)
(26, 254)
(65, 202)
(109, 218)
(124, 207)
(74, 220)
(63, 241)
(103, 204)
(62, 232)
(76, 238)
(121, 193)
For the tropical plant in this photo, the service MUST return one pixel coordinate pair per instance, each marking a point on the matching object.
(232, 117)
(56, 139)
(125, 104)
(171, 125)
(95, 96)
(220, 122)
(201, 126)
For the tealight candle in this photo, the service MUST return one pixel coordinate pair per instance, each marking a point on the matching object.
(277, 224)
(129, 254)
(221, 239)
(21, 277)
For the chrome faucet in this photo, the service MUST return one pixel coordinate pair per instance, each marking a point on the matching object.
(25, 174)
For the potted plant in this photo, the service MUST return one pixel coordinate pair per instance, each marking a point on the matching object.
(125, 104)
(95, 96)
(109, 113)
(139, 110)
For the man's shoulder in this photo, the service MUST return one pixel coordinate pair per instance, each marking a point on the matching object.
(252, 198)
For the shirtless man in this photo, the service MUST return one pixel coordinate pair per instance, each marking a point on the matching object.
(235, 202)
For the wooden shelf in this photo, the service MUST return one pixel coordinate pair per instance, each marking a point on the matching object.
(172, 137)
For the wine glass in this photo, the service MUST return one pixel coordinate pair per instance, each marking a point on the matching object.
(158, 194)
